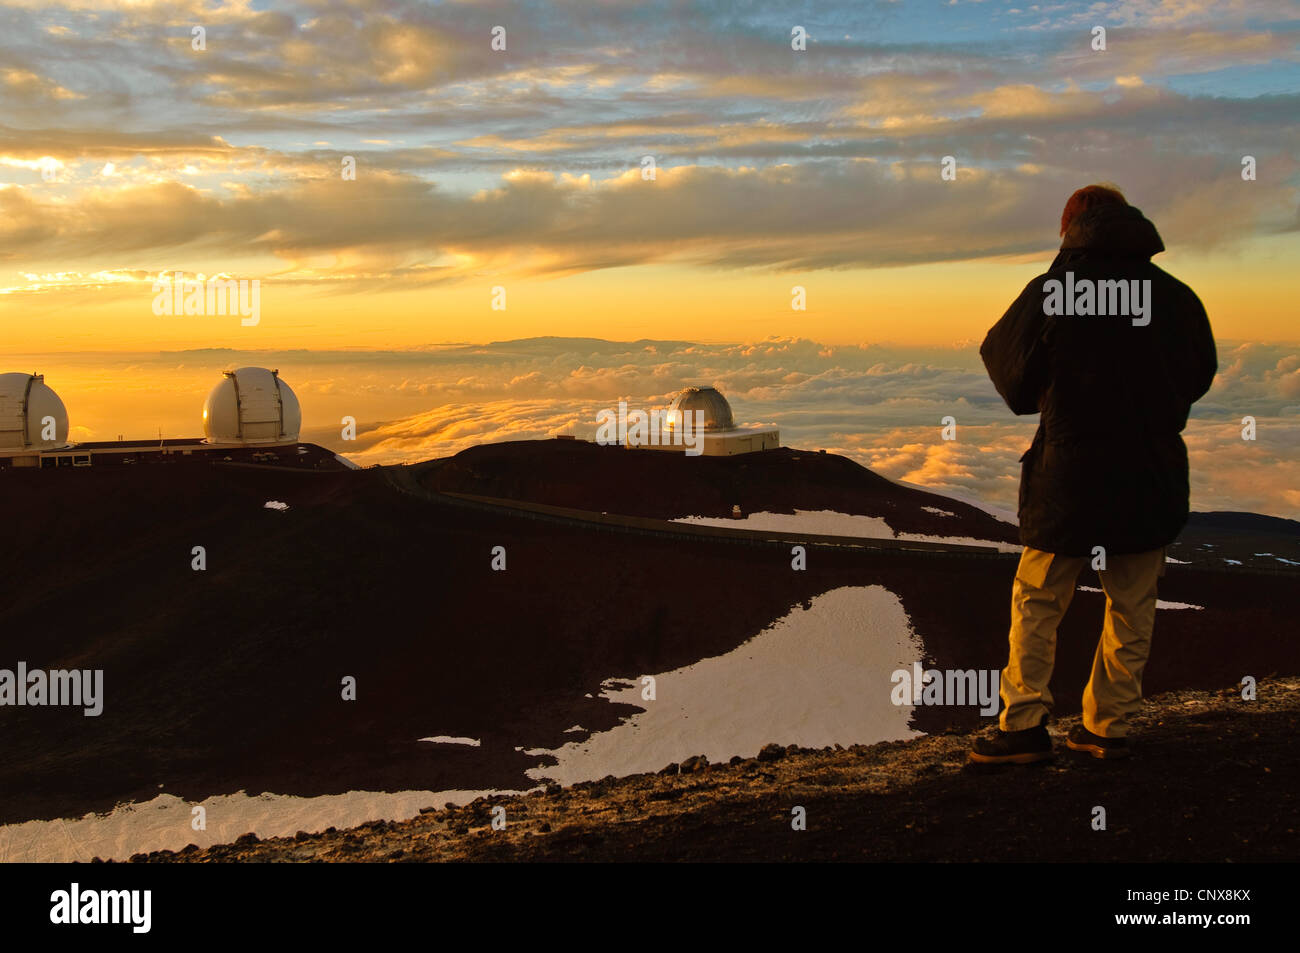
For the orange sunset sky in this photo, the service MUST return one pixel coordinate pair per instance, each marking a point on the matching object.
(521, 167)
(140, 138)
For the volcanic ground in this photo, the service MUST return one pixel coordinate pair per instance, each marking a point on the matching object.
(229, 679)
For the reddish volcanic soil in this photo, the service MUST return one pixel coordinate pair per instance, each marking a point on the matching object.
(229, 679)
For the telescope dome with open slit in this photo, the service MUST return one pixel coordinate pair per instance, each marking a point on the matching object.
(251, 405)
(32, 417)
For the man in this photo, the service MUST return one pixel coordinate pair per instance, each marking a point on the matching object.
(1113, 369)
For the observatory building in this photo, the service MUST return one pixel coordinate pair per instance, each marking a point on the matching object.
(721, 436)
(251, 405)
(250, 417)
(32, 418)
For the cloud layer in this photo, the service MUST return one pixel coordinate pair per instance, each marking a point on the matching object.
(528, 160)
(880, 406)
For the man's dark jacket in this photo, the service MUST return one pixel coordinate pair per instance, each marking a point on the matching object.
(1108, 466)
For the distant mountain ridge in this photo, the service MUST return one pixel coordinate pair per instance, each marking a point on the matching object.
(660, 485)
(1242, 521)
(671, 486)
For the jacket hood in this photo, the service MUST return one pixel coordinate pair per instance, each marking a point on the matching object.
(1113, 229)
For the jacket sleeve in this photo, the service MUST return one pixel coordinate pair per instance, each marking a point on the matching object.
(1202, 360)
(1015, 351)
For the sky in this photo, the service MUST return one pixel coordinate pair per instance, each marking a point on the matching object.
(519, 178)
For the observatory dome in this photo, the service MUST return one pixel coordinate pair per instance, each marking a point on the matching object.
(26, 406)
(709, 404)
(251, 405)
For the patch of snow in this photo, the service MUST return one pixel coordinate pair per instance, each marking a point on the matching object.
(1289, 562)
(1179, 562)
(937, 512)
(963, 541)
(831, 523)
(1160, 603)
(818, 676)
(997, 512)
(1232, 562)
(812, 522)
(275, 505)
(164, 822)
(452, 740)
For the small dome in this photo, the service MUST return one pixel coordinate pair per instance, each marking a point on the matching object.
(31, 415)
(706, 401)
(251, 405)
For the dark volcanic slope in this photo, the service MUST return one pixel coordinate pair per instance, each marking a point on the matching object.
(666, 485)
(229, 679)
(1215, 779)
(1228, 540)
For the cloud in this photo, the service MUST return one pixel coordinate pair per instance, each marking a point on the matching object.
(527, 161)
(785, 217)
(880, 406)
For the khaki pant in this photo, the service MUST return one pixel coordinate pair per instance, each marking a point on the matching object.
(1040, 596)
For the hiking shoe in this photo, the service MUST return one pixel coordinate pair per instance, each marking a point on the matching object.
(1081, 739)
(1013, 747)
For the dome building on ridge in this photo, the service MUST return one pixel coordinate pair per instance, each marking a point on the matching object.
(32, 417)
(251, 405)
(250, 417)
(720, 437)
(707, 401)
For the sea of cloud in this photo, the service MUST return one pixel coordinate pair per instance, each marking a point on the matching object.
(880, 405)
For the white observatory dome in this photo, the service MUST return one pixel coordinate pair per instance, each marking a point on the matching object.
(251, 405)
(709, 404)
(27, 406)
